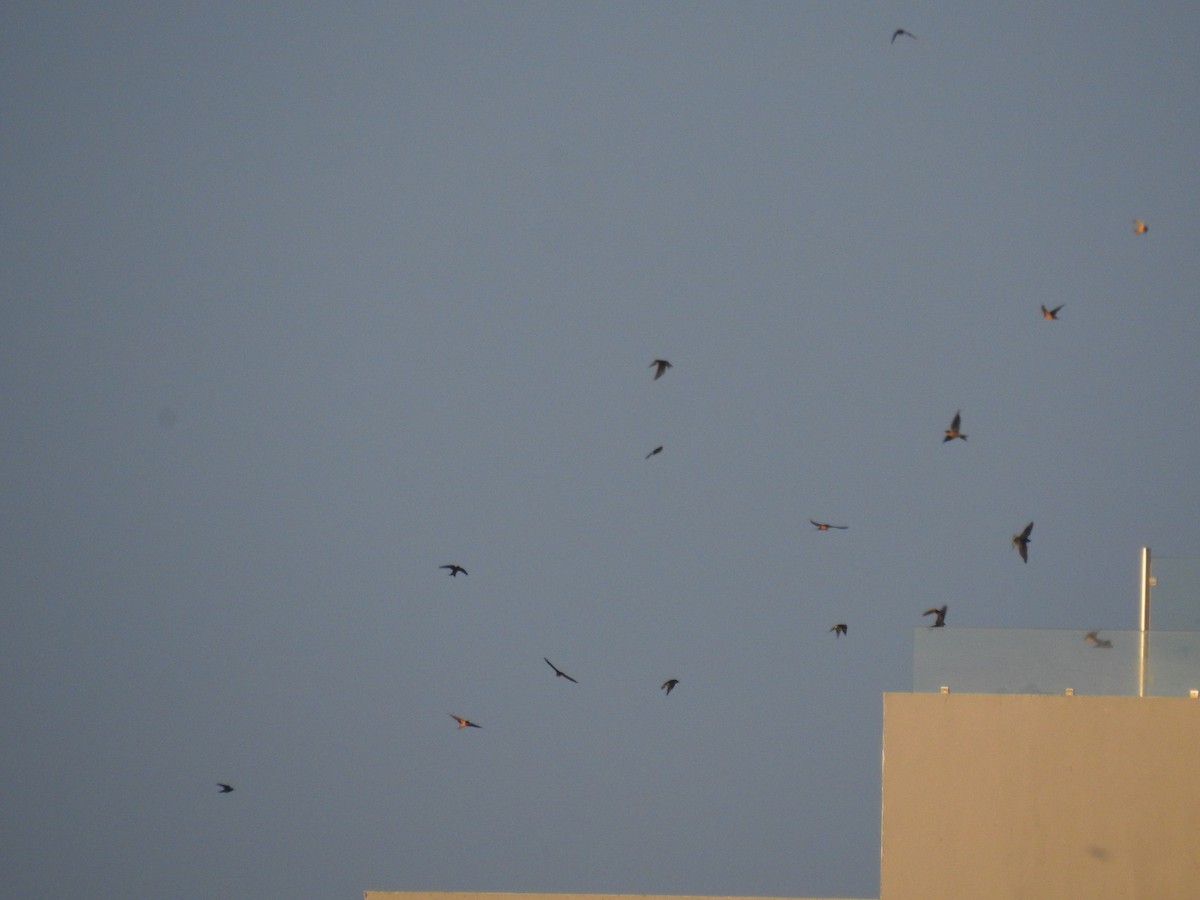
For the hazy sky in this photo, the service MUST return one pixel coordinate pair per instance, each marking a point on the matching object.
(301, 301)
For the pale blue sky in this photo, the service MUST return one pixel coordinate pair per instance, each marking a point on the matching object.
(396, 273)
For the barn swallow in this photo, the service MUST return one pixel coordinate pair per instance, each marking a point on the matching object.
(454, 570)
(464, 723)
(940, 621)
(839, 629)
(900, 31)
(657, 450)
(952, 432)
(662, 366)
(1093, 638)
(224, 788)
(1140, 227)
(1021, 542)
(559, 672)
(1052, 314)
(669, 685)
(825, 526)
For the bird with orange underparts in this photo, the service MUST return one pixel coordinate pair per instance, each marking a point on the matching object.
(900, 31)
(669, 685)
(454, 570)
(825, 526)
(839, 629)
(953, 431)
(1140, 227)
(224, 788)
(660, 367)
(1093, 638)
(559, 672)
(940, 612)
(1052, 314)
(1021, 542)
(464, 723)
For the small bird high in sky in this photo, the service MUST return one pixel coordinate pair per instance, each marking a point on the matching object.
(559, 672)
(1140, 227)
(464, 723)
(953, 431)
(839, 629)
(940, 612)
(454, 570)
(660, 366)
(1052, 314)
(1021, 542)
(224, 788)
(825, 526)
(1093, 638)
(900, 31)
(657, 450)
(669, 685)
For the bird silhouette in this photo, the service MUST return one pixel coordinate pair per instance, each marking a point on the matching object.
(657, 450)
(454, 570)
(953, 431)
(1052, 314)
(464, 723)
(825, 526)
(662, 366)
(839, 629)
(224, 788)
(559, 672)
(940, 621)
(900, 31)
(669, 685)
(1093, 638)
(1021, 542)
(1140, 227)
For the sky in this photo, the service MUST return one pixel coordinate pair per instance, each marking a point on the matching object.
(303, 301)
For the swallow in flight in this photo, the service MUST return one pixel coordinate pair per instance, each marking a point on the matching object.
(1021, 542)
(559, 672)
(940, 621)
(660, 367)
(1140, 227)
(825, 526)
(657, 450)
(900, 31)
(952, 432)
(839, 629)
(1052, 314)
(1093, 638)
(224, 788)
(464, 723)
(669, 685)
(454, 570)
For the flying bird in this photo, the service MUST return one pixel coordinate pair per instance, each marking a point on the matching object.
(940, 621)
(825, 526)
(224, 788)
(669, 685)
(660, 366)
(1052, 314)
(559, 672)
(454, 570)
(657, 450)
(1140, 227)
(464, 723)
(953, 431)
(1093, 638)
(1021, 542)
(900, 31)
(839, 629)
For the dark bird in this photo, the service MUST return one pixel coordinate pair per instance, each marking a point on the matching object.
(1140, 227)
(669, 685)
(953, 431)
(940, 621)
(839, 629)
(559, 672)
(464, 723)
(660, 366)
(454, 570)
(1052, 314)
(1021, 542)
(1093, 638)
(657, 450)
(825, 526)
(224, 788)
(900, 31)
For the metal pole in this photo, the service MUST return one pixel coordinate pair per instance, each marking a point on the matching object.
(1144, 624)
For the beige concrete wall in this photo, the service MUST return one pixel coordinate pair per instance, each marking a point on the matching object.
(1021, 796)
